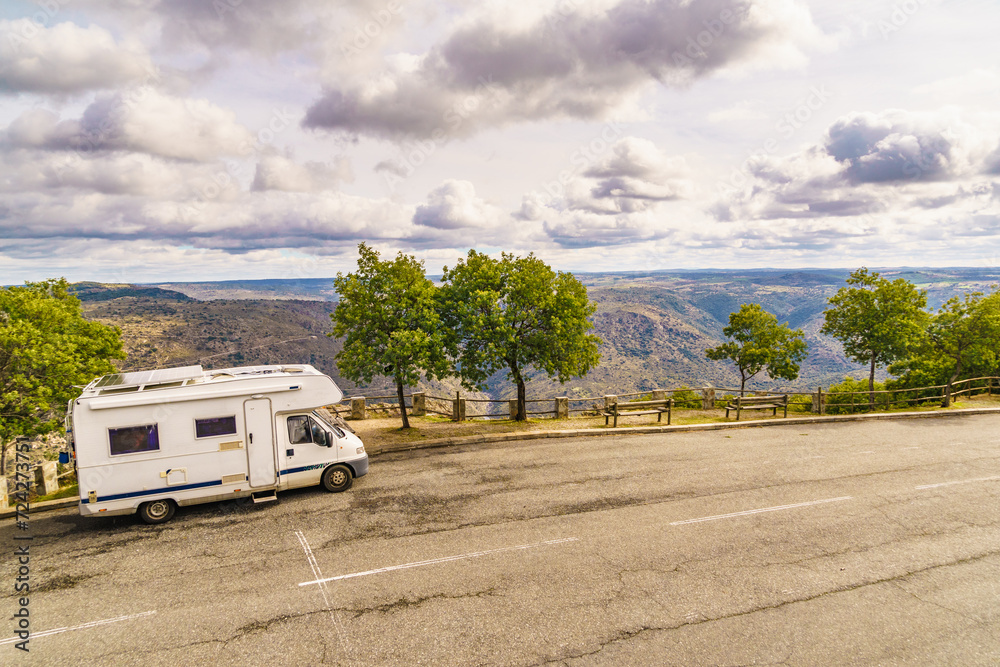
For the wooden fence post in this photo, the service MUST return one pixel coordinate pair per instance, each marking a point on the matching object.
(659, 395)
(512, 405)
(822, 401)
(562, 407)
(458, 408)
(609, 400)
(419, 404)
(358, 410)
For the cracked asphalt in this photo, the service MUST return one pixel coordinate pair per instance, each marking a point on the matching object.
(830, 544)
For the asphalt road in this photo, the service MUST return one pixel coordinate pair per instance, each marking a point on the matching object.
(832, 544)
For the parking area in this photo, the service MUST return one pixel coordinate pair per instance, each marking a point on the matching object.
(828, 543)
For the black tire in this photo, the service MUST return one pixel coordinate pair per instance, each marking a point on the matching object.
(157, 511)
(337, 478)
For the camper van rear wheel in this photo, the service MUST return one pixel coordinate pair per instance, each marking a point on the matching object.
(337, 478)
(157, 511)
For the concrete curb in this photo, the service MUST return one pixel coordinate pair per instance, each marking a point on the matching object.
(42, 507)
(645, 430)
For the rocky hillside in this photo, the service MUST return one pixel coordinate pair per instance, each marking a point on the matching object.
(655, 327)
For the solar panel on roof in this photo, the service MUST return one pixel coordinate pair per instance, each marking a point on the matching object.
(150, 377)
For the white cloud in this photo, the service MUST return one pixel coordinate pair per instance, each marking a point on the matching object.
(455, 206)
(142, 120)
(275, 172)
(66, 59)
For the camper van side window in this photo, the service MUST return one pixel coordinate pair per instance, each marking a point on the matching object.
(133, 439)
(207, 428)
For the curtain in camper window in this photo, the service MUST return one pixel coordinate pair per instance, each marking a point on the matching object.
(133, 439)
(207, 428)
(298, 430)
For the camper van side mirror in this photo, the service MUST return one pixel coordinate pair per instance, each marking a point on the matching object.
(323, 439)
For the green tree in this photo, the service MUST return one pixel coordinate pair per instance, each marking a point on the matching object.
(759, 342)
(388, 314)
(963, 334)
(514, 313)
(878, 321)
(46, 347)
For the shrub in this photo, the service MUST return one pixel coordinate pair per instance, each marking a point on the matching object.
(685, 397)
(843, 399)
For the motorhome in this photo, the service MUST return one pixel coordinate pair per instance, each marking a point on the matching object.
(151, 441)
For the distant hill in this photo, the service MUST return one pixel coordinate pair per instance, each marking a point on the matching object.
(655, 326)
(102, 292)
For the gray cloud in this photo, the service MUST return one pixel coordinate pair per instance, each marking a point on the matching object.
(577, 65)
(865, 166)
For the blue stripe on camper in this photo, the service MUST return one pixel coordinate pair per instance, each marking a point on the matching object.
(289, 471)
(149, 492)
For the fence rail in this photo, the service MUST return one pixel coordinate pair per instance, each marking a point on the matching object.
(706, 398)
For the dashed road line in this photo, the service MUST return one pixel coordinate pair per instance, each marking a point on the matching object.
(435, 561)
(961, 481)
(92, 624)
(314, 566)
(761, 510)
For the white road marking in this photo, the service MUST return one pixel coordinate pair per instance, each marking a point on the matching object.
(962, 481)
(92, 624)
(758, 511)
(314, 566)
(435, 561)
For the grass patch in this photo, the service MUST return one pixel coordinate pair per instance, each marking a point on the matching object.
(71, 491)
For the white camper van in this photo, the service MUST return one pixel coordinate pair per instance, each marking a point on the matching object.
(147, 442)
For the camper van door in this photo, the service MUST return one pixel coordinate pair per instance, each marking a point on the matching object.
(260, 442)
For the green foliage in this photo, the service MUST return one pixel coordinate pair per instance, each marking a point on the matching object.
(961, 340)
(849, 402)
(46, 347)
(513, 313)
(388, 313)
(877, 321)
(758, 343)
(685, 397)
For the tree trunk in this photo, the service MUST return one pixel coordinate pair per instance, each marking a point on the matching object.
(871, 386)
(402, 402)
(743, 383)
(522, 410)
(947, 392)
(3, 458)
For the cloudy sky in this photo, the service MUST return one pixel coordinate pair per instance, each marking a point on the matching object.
(145, 140)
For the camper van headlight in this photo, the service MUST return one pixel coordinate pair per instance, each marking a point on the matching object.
(361, 449)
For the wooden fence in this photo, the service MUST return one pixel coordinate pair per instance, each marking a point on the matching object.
(819, 401)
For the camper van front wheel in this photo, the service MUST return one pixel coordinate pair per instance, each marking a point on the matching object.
(157, 511)
(337, 478)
